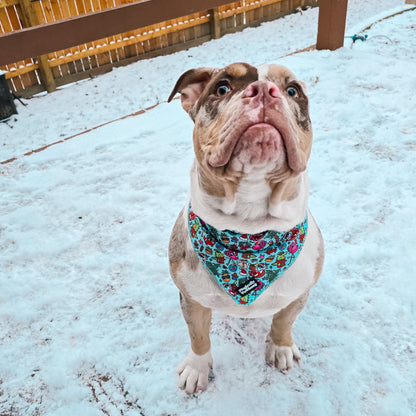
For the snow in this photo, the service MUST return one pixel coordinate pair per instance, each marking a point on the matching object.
(90, 320)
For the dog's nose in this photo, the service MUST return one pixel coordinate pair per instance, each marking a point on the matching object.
(262, 88)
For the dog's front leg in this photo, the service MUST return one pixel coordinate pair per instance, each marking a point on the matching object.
(194, 371)
(280, 347)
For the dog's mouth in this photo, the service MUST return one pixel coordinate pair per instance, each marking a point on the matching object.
(258, 144)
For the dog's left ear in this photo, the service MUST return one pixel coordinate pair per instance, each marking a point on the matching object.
(190, 85)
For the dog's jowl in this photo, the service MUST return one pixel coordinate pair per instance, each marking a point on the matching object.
(245, 242)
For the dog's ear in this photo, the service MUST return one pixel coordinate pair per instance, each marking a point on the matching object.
(190, 85)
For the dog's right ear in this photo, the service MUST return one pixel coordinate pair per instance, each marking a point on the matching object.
(190, 85)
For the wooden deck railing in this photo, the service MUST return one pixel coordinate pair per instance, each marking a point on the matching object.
(47, 43)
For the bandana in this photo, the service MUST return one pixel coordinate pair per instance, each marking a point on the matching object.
(245, 265)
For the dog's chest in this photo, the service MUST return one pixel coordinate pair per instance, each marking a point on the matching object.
(203, 288)
(251, 199)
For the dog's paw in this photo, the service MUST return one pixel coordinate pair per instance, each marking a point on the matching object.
(193, 372)
(281, 357)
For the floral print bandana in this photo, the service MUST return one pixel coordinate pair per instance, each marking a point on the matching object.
(245, 265)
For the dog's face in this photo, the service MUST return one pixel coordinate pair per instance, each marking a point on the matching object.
(247, 119)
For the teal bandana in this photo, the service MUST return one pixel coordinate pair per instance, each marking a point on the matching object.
(245, 265)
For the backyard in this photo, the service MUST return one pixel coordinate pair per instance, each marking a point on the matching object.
(90, 319)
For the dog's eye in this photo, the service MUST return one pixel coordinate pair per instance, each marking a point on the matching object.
(223, 89)
(292, 92)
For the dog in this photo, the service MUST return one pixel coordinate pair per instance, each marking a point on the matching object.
(245, 243)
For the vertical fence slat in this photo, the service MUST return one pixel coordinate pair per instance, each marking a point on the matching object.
(215, 23)
(173, 37)
(250, 17)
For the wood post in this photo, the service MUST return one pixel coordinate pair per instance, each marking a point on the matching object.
(215, 23)
(46, 75)
(331, 24)
(30, 19)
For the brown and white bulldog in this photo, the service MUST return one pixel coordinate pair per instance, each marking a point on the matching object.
(252, 140)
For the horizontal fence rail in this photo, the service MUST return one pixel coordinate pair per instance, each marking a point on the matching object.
(81, 29)
(48, 43)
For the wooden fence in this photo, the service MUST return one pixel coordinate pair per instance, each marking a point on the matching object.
(45, 72)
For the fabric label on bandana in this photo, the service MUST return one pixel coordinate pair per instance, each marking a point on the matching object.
(245, 265)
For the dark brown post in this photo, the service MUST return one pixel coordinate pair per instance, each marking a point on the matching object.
(214, 19)
(331, 24)
(30, 19)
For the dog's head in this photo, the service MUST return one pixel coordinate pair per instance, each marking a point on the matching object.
(246, 119)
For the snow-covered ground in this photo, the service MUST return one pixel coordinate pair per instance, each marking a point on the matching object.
(90, 320)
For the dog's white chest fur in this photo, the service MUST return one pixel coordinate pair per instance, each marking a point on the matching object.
(204, 289)
(251, 200)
